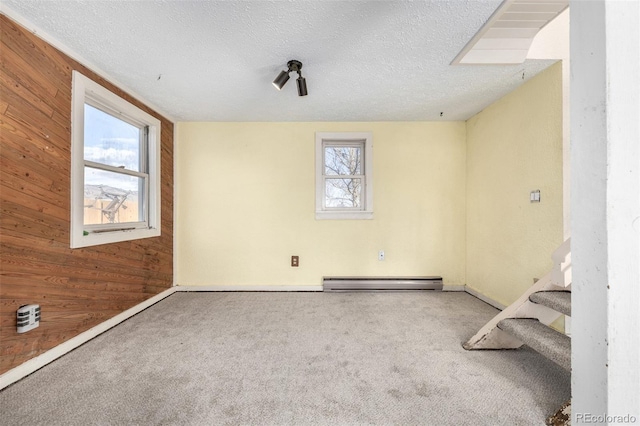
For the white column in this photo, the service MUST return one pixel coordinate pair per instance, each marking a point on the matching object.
(605, 210)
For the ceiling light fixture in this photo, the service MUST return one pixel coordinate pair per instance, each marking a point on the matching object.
(283, 77)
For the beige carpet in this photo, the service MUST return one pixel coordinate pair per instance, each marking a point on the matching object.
(293, 359)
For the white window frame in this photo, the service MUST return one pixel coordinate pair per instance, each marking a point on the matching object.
(85, 90)
(365, 139)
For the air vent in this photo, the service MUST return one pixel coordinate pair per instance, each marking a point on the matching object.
(381, 283)
(28, 318)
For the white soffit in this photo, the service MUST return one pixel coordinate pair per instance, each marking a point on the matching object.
(509, 32)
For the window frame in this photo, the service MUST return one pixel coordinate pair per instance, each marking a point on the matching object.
(346, 139)
(86, 91)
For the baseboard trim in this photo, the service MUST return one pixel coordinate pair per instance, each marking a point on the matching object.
(453, 288)
(484, 298)
(186, 288)
(34, 364)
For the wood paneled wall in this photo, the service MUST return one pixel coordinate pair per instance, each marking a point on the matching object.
(76, 289)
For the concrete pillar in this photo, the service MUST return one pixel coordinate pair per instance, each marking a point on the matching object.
(605, 210)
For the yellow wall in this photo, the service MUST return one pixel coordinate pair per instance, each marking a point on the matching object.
(451, 199)
(246, 204)
(513, 147)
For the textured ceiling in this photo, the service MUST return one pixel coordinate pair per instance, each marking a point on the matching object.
(215, 60)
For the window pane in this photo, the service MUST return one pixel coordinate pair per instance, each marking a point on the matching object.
(344, 193)
(109, 140)
(342, 160)
(112, 197)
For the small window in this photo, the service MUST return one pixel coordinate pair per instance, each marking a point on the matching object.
(115, 168)
(344, 187)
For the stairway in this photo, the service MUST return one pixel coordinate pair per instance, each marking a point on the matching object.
(527, 320)
(545, 301)
(544, 340)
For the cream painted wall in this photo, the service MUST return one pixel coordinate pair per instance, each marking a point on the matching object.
(246, 204)
(552, 42)
(513, 147)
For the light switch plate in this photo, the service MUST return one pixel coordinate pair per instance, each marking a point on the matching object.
(534, 197)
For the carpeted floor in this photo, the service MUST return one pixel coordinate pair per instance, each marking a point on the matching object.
(293, 359)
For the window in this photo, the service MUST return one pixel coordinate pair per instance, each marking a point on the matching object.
(344, 184)
(115, 168)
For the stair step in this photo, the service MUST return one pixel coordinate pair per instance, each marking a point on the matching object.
(559, 301)
(544, 340)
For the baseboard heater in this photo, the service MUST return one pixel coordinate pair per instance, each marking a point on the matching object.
(381, 283)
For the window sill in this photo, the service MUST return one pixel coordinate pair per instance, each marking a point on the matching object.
(112, 237)
(338, 215)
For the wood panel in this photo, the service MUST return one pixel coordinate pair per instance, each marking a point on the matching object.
(80, 288)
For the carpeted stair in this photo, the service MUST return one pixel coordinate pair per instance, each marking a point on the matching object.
(544, 340)
(559, 301)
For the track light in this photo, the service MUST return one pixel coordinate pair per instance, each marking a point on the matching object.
(302, 86)
(283, 77)
(281, 80)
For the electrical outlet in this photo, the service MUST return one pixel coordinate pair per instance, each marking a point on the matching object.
(295, 261)
(381, 255)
